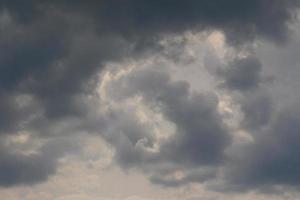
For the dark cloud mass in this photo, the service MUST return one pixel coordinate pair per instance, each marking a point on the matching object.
(273, 159)
(201, 136)
(51, 55)
(27, 169)
(242, 74)
(243, 77)
(244, 19)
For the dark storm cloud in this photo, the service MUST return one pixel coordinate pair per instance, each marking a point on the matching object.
(10, 115)
(274, 158)
(243, 78)
(52, 51)
(50, 56)
(51, 59)
(200, 137)
(270, 160)
(17, 168)
(20, 169)
(258, 108)
(239, 20)
(47, 61)
(23, 11)
(242, 74)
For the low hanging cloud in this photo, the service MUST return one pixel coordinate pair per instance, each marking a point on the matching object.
(244, 79)
(272, 160)
(242, 74)
(52, 53)
(21, 166)
(200, 136)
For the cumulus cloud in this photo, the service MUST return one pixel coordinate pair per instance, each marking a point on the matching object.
(244, 79)
(200, 136)
(21, 165)
(52, 53)
(272, 159)
(242, 74)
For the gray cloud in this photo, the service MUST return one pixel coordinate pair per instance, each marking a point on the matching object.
(52, 53)
(244, 80)
(269, 162)
(239, 20)
(273, 158)
(200, 137)
(242, 74)
(18, 168)
(258, 108)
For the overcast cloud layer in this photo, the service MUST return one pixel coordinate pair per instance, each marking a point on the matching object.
(115, 69)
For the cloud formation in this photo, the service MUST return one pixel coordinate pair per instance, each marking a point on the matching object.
(200, 136)
(272, 160)
(52, 55)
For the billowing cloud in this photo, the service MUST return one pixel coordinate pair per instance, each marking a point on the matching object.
(199, 138)
(272, 160)
(242, 74)
(25, 162)
(54, 54)
(244, 79)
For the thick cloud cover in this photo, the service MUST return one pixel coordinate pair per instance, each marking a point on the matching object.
(273, 159)
(243, 19)
(200, 136)
(51, 55)
(242, 74)
(243, 77)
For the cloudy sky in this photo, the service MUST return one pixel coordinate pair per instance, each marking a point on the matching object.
(149, 100)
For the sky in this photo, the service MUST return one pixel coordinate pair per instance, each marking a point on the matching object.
(149, 100)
